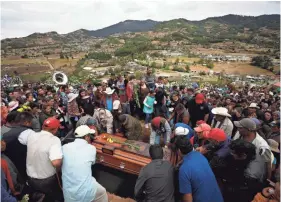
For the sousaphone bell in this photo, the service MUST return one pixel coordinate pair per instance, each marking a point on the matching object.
(60, 78)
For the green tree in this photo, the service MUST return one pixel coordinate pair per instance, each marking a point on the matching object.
(210, 65)
(46, 53)
(24, 56)
(139, 74)
(179, 69)
(187, 68)
(99, 56)
(153, 65)
(202, 73)
(264, 62)
(97, 46)
(177, 61)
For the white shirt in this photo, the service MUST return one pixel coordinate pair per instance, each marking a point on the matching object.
(226, 126)
(42, 148)
(262, 148)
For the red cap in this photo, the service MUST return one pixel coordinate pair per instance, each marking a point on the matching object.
(200, 122)
(199, 98)
(51, 122)
(156, 122)
(202, 128)
(216, 134)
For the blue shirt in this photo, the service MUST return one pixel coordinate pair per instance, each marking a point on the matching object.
(5, 191)
(197, 178)
(150, 102)
(109, 104)
(77, 180)
(191, 132)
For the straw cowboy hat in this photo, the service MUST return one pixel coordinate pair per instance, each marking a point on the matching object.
(109, 91)
(254, 105)
(221, 111)
(71, 97)
(13, 105)
(273, 145)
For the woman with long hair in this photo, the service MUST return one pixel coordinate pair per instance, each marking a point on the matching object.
(85, 103)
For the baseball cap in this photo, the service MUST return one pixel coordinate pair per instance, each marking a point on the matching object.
(199, 98)
(91, 121)
(216, 134)
(246, 123)
(83, 130)
(200, 122)
(181, 131)
(116, 104)
(202, 127)
(275, 123)
(51, 122)
(257, 122)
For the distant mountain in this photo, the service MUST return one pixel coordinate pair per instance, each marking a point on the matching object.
(269, 21)
(126, 26)
(249, 29)
(261, 30)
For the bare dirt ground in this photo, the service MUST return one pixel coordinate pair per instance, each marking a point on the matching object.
(37, 66)
(254, 52)
(240, 68)
(114, 198)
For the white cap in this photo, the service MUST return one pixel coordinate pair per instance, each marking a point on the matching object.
(181, 131)
(116, 104)
(83, 130)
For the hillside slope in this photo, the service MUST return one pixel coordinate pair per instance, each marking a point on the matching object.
(263, 30)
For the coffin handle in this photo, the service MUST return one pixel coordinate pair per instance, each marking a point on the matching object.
(101, 159)
(122, 165)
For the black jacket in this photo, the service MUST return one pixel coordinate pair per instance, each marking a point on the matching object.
(15, 150)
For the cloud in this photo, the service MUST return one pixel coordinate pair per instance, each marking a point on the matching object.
(23, 18)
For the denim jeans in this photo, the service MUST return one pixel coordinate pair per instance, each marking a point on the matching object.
(154, 139)
(147, 118)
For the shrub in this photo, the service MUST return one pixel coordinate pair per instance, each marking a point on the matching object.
(264, 62)
(179, 69)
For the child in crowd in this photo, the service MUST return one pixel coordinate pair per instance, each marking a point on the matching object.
(148, 107)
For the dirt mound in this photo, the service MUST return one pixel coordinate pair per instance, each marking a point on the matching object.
(114, 198)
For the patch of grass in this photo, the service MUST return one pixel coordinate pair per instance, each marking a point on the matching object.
(34, 77)
(63, 62)
(7, 61)
(182, 58)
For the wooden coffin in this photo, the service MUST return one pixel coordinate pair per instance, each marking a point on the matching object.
(119, 155)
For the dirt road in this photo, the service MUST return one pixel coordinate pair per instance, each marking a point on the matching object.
(50, 65)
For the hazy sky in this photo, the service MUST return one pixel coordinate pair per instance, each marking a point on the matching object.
(23, 18)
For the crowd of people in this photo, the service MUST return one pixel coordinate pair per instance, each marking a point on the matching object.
(226, 141)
